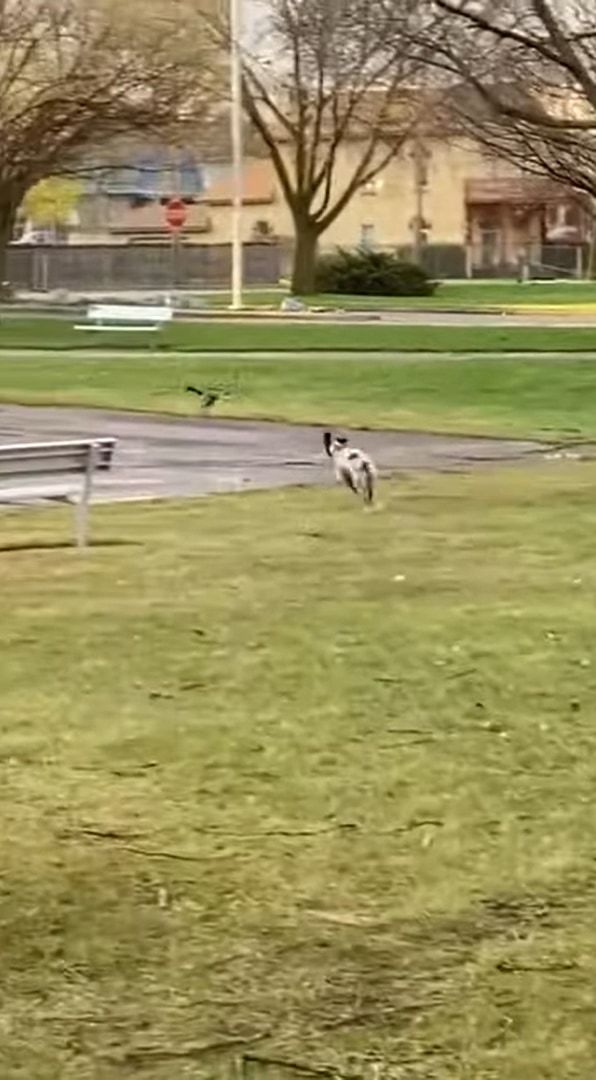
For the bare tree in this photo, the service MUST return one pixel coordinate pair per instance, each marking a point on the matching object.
(525, 75)
(332, 71)
(76, 74)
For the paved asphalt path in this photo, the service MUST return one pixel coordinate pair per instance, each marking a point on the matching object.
(162, 457)
(545, 320)
(404, 317)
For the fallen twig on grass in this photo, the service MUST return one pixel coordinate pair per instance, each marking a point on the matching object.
(286, 833)
(149, 853)
(101, 834)
(84, 1018)
(409, 737)
(129, 770)
(223, 961)
(434, 822)
(510, 967)
(178, 856)
(375, 1015)
(132, 773)
(193, 1050)
(409, 731)
(347, 826)
(298, 1067)
(424, 740)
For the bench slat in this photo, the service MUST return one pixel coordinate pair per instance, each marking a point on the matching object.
(120, 327)
(20, 461)
(130, 317)
(81, 446)
(102, 440)
(55, 467)
(38, 459)
(129, 311)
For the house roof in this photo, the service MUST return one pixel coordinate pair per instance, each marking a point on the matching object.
(514, 189)
(258, 187)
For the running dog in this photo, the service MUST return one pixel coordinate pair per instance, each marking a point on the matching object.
(352, 467)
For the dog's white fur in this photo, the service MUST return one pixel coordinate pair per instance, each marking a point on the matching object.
(352, 467)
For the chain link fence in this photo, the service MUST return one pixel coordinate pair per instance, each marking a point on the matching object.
(439, 260)
(159, 267)
(492, 259)
(148, 266)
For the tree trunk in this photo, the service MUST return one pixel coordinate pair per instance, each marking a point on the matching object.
(9, 204)
(305, 258)
(590, 269)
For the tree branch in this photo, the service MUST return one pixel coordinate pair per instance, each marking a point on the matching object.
(269, 138)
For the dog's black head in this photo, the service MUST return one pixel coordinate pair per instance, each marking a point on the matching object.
(329, 440)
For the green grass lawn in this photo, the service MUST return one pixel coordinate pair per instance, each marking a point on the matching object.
(55, 333)
(485, 396)
(457, 294)
(283, 776)
(478, 294)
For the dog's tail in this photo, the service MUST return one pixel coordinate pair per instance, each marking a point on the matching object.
(327, 441)
(368, 482)
(193, 390)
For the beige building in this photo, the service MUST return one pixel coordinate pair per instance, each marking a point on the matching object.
(445, 194)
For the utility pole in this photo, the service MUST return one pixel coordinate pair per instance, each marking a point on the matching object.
(237, 151)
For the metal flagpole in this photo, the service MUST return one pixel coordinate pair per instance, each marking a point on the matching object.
(237, 150)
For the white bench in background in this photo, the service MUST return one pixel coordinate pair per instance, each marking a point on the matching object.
(126, 317)
(23, 461)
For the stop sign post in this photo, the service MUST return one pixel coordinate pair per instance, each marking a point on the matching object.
(175, 216)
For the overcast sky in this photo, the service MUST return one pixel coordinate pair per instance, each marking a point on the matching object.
(253, 14)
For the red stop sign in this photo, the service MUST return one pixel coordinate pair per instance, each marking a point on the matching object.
(175, 214)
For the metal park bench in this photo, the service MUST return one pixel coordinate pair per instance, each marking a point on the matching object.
(128, 317)
(25, 461)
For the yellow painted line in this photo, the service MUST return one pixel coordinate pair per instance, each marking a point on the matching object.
(551, 309)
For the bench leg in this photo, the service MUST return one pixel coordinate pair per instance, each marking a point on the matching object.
(82, 507)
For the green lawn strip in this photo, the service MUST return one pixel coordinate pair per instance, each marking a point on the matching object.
(496, 396)
(457, 294)
(472, 295)
(274, 767)
(450, 294)
(52, 334)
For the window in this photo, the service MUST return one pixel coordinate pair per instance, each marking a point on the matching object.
(262, 230)
(191, 178)
(145, 180)
(367, 236)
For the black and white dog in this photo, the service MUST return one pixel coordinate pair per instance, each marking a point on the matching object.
(352, 467)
